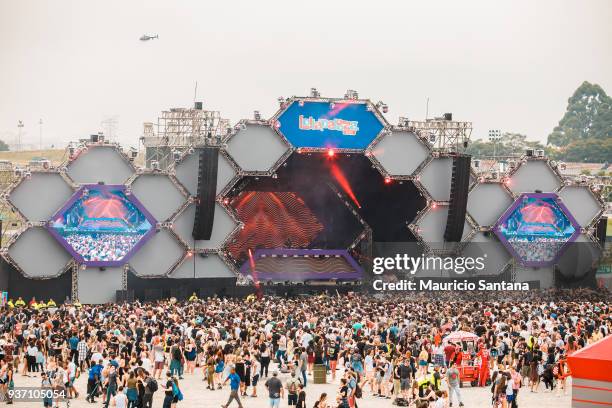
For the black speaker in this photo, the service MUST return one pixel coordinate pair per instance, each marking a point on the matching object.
(602, 225)
(460, 184)
(207, 188)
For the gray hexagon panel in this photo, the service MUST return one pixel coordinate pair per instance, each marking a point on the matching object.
(158, 255)
(485, 245)
(202, 266)
(158, 194)
(99, 285)
(487, 202)
(432, 226)
(436, 178)
(223, 225)
(38, 254)
(400, 153)
(40, 196)
(578, 257)
(100, 164)
(187, 173)
(534, 175)
(256, 148)
(581, 202)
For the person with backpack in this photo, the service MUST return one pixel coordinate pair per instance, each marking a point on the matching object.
(292, 389)
(150, 387)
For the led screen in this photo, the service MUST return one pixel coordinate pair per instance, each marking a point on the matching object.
(536, 228)
(101, 225)
(340, 125)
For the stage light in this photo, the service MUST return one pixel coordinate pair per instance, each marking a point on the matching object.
(387, 180)
(434, 206)
(226, 201)
(331, 153)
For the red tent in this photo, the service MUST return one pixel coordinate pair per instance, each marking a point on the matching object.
(592, 375)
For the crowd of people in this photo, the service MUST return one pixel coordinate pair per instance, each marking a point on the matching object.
(389, 347)
(102, 247)
(540, 249)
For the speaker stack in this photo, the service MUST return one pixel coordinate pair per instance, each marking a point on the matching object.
(460, 184)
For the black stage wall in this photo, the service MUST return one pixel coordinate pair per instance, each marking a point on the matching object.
(17, 285)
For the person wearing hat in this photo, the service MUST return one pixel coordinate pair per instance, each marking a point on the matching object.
(275, 390)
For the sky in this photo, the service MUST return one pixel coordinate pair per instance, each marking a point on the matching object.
(504, 64)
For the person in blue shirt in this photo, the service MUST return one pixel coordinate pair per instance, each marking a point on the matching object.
(234, 380)
(93, 380)
(73, 342)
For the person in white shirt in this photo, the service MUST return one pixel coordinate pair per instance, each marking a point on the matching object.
(120, 400)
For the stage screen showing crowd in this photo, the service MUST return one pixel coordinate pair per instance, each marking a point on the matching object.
(536, 229)
(102, 225)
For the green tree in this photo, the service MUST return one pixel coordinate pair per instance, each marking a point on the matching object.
(3, 146)
(588, 116)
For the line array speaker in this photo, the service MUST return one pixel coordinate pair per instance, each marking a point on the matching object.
(460, 184)
(207, 188)
(602, 225)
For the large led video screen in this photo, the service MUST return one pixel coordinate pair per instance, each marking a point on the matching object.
(536, 228)
(102, 225)
(334, 124)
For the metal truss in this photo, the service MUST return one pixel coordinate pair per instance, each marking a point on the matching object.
(443, 135)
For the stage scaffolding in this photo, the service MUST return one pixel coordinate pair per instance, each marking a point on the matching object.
(179, 129)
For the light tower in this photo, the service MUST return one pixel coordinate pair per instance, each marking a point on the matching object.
(19, 130)
(40, 123)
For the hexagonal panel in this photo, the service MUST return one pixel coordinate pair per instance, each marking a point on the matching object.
(158, 255)
(400, 153)
(38, 254)
(223, 225)
(579, 257)
(202, 266)
(27, 195)
(99, 285)
(100, 164)
(330, 124)
(102, 225)
(534, 175)
(487, 202)
(187, 173)
(433, 224)
(536, 228)
(158, 194)
(581, 203)
(490, 249)
(436, 178)
(257, 147)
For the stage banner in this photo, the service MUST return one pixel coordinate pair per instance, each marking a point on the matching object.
(338, 125)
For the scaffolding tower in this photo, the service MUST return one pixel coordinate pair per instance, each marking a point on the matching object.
(443, 133)
(179, 129)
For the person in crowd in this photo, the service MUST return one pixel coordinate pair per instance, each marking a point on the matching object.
(396, 344)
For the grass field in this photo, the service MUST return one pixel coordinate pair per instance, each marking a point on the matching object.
(56, 156)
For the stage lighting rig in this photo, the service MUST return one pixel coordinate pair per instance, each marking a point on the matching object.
(315, 93)
(351, 94)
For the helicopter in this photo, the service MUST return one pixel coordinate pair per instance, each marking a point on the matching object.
(149, 37)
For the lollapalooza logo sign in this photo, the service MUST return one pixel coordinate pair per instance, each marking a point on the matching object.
(347, 127)
(323, 124)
